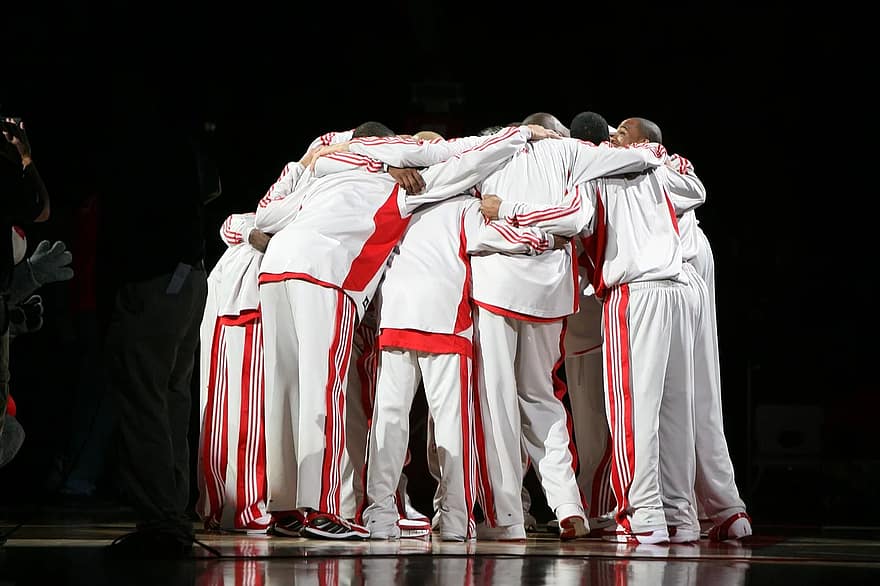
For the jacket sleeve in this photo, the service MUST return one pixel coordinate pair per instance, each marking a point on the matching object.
(236, 228)
(285, 183)
(684, 189)
(591, 161)
(328, 138)
(460, 173)
(568, 218)
(407, 152)
(482, 237)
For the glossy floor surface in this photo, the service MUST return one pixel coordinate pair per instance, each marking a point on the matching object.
(73, 552)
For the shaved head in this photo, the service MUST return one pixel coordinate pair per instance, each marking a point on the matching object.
(427, 135)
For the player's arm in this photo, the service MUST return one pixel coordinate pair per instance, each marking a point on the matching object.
(482, 237)
(407, 152)
(592, 161)
(684, 189)
(566, 219)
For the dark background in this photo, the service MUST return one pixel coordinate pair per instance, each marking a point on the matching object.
(764, 101)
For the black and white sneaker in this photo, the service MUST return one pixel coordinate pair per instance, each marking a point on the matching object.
(289, 523)
(329, 526)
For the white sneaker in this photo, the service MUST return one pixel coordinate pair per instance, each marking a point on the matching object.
(414, 527)
(683, 534)
(736, 526)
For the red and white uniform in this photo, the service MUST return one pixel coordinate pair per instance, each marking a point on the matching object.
(522, 303)
(319, 275)
(648, 318)
(232, 456)
(717, 494)
(426, 336)
(232, 459)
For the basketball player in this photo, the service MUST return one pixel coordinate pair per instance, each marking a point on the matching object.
(426, 336)
(232, 457)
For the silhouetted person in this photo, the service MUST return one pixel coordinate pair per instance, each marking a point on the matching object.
(150, 255)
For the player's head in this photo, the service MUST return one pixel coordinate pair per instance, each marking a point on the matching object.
(590, 126)
(636, 130)
(427, 135)
(371, 128)
(548, 121)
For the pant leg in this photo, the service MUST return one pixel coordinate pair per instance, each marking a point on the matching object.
(498, 424)
(359, 409)
(676, 430)
(398, 380)
(584, 375)
(324, 320)
(250, 447)
(716, 490)
(637, 326)
(214, 446)
(281, 364)
(447, 383)
(150, 353)
(546, 424)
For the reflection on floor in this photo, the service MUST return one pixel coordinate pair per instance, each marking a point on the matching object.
(73, 554)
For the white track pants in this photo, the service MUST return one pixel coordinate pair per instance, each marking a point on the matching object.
(520, 401)
(232, 457)
(447, 383)
(308, 341)
(647, 347)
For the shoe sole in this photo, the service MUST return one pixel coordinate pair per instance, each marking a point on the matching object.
(619, 537)
(286, 532)
(320, 534)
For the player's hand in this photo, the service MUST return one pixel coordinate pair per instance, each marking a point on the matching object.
(327, 150)
(489, 206)
(559, 242)
(539, 132)
(408, 178)
(259, 240)
(307, 159)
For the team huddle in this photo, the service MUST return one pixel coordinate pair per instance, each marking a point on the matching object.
(499, 273)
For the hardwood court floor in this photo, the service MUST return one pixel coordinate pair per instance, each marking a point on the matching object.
(72, 553)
